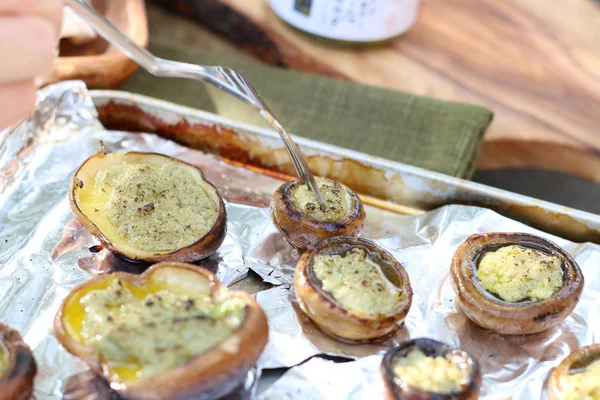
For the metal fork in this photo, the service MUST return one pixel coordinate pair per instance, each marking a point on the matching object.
(224, 78)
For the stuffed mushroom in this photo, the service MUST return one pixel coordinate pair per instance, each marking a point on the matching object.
(577, 376)
(172, 332)
(353, 289)
(17, 366)
(298, 216)
(424, 369)
(148, 207)
(515, 283)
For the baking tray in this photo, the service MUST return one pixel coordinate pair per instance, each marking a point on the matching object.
(47, 252)
(382, 183)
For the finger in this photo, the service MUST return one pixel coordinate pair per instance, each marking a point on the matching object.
(51, 10)
(27, 48)
(16, 102)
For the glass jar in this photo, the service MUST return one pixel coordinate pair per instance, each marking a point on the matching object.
(356, 21)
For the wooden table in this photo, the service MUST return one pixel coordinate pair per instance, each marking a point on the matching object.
(535, 63)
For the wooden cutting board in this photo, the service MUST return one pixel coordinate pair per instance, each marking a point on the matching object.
(535, 63)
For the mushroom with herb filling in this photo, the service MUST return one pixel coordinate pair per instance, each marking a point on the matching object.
(297, 214)
(17, 366)
(515, 283)
(352, 289)
(148, 207)
(577, 376)
(423, 369)
(173, 332)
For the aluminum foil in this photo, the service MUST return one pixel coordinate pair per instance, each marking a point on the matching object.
(512, 366)
(320, 379)
(294, 338)
(44, 254)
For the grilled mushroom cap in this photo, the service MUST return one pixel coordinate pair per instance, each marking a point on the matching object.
(88, 202)
(16, 382)
(208, 375)
(302, 230)
(576, 362)
(491, 312)
(329, 314)
(396, 388)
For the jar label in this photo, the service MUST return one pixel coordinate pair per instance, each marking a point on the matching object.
(349, 20)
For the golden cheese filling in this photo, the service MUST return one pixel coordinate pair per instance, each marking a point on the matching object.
(336, 198)
(140, 334)
(581, 386)
(430, 374)
(156, 208)
(515, 273)
(357, 283)
(3, 361)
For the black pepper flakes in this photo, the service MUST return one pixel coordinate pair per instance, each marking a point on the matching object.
(189, 303)
(146, 209)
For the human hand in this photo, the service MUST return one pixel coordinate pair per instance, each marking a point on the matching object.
(28, 36)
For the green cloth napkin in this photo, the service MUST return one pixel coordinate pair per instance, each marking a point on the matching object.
(433, 134)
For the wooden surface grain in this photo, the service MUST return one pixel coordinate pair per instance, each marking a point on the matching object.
(535, 63)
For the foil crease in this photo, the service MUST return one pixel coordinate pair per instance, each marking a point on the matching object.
(44, 254)
(319, 379)
(512, 366)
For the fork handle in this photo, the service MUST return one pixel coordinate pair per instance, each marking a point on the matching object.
(159, 67)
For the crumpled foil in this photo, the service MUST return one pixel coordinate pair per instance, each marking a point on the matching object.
(512, 366)
(319, 379)
(44, 254)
